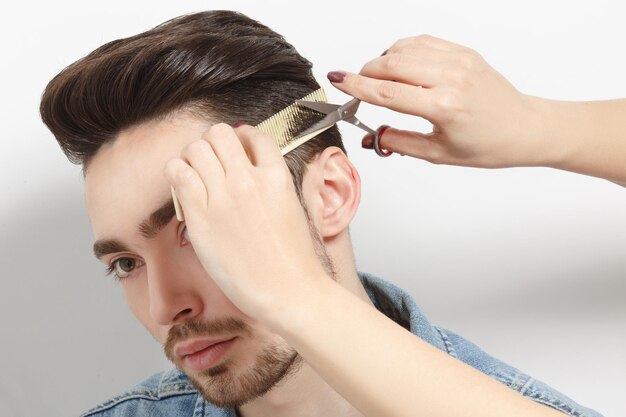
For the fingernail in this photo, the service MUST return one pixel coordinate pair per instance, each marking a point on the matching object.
(336, 76)
(384, 53)
(237, 124)
(368, 142)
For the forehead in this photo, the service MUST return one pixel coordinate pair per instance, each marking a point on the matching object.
(124, 181)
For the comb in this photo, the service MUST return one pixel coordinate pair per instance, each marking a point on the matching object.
(284, 127)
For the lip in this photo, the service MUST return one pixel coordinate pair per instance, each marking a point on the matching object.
(194, 346)
(202, 354)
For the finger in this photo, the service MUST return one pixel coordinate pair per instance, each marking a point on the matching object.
(404, 142)
(422, 41)
(421, 68)
(190, 189)
(261, 148)
(201, 157)
(227, 147)
(396, 96)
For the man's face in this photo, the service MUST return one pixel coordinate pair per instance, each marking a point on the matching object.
(229, 357)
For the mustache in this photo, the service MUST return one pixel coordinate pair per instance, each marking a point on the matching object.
(198, 327)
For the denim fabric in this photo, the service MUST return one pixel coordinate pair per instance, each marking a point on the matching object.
(170, 394)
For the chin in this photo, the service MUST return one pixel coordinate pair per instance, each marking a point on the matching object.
(230, 385)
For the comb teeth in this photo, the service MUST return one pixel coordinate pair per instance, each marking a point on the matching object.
(285, 125)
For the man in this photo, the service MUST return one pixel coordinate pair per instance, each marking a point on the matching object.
(161, 99)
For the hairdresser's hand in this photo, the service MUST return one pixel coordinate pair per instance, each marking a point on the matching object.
(479, 118)
(245, 221)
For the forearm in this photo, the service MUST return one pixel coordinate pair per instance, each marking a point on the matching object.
(586, 137)
(384, 370)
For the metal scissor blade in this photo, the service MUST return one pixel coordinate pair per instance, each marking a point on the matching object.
(337, 113)
(323, 124)
(319, 106)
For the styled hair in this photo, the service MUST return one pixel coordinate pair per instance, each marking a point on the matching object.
(221, 65)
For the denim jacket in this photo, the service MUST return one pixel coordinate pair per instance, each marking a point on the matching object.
(169, 393)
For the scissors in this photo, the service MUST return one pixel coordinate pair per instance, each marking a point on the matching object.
(334, 113)
(346, 112)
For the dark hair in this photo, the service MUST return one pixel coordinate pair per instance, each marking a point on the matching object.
(220, 64)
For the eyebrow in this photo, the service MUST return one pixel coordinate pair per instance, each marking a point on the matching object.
(157, 220)
(148, 228)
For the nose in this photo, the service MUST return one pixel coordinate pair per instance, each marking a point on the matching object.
(173, 293)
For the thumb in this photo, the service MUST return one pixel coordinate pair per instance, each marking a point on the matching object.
(406, 142)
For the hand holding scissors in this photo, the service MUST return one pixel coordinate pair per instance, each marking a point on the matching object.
(346, 112)
(479, 119)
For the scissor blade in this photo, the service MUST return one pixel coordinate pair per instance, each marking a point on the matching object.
(323, 124)
(337, 113)
(318, 106)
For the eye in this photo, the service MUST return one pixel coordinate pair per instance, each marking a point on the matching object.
(123, 267)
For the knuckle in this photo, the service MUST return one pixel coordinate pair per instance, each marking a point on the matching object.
(412, 42)
(220, 126)
(472, 61)
(263, 138)
(468, 61)
(246, 181)
(247, 131)
(216, 131)
(400, 44)
(185, 176)
(424, 37)
(278, 177)
(447, 104)
(198, 147)
(460, 77)
(422, 40)
(387, 92)
(170, 168)
(393, 62)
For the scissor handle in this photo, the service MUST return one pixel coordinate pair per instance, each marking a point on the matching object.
(381, 151)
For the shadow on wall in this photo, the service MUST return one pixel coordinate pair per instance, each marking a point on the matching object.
(68, 337)
(8, 406)
(588, 293)
(541, 269)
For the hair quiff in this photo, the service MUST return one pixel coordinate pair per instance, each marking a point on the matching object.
(221, 65)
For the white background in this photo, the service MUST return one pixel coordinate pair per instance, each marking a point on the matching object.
(527, 263)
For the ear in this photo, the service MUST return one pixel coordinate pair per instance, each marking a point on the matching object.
(335, 189)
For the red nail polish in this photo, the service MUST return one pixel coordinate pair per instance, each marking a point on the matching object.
(336, 76)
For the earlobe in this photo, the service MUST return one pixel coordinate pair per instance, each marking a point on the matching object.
(340, 191)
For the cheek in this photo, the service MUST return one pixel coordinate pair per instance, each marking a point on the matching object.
(138, 301)
(135, 292)
(197, 280)
(194, 282)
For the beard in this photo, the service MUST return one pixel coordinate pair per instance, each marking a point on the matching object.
(226, 384)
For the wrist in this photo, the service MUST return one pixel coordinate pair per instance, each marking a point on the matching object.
(547, 149)
(556, 124)
(306, 306)
(290, 310)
